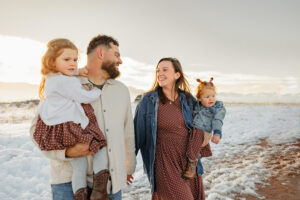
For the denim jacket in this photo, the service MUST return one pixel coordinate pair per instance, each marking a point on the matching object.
(210, 119)
(145, 126)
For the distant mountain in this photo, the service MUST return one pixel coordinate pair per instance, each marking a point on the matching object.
(134, 92)
(11, 92)
(14, 92)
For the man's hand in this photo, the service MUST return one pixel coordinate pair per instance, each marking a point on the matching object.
(78, 150)
(129, 179)
(83, 72)
(216, 139)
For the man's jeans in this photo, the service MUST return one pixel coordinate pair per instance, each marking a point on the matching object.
(64, 192)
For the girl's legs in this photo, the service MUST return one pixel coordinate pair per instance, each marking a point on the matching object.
(79, 173)
(101, 175)
(100, 160)
(196, 139)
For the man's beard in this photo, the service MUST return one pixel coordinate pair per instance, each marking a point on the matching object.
(111, 69)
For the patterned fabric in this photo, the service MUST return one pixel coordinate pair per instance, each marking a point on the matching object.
(68, 134)
(194, 149)
(170, 157)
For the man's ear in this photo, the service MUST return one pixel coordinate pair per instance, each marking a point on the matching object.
(99, 52)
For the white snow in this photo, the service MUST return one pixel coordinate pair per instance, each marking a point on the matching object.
(238, 162)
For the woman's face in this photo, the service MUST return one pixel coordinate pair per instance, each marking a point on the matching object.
(166, 75)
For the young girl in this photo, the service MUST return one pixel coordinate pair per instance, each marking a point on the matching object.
(66, 117)
(208, 117)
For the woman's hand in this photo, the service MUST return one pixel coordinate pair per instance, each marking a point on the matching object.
(78, 150)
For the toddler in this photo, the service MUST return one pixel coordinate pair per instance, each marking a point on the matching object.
(208, 117)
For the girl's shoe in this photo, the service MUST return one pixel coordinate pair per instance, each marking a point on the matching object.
(99, 191)
(191, 170)
(82, 194)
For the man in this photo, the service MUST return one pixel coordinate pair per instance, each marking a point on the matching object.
(113, 113)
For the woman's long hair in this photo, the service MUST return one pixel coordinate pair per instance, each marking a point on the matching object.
(54, 49)
(181, 82)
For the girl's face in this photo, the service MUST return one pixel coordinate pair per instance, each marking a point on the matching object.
(208, 97)
(66, 63)
(166, 75)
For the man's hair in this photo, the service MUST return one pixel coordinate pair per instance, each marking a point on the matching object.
(103, 40)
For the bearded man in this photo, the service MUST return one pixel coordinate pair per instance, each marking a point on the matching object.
(114, 117)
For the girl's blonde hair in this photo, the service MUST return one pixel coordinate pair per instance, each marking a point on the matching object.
(54, 49)
(204, 85)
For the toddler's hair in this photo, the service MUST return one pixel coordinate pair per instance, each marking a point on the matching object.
(54, 49)
(204, 85)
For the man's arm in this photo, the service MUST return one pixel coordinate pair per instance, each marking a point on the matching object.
(129, 140)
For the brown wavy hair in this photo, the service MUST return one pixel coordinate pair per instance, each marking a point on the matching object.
(54, 49)
(204, 85)
(181, 82)
(104, 40)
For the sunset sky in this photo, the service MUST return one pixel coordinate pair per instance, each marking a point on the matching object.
(256, 37)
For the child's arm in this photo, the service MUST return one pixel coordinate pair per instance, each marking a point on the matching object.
(71, 88)
(217, 122)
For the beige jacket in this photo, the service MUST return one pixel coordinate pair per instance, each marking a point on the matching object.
(113, 112)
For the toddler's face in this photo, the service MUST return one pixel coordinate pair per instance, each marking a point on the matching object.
(208, 98)
(66, 63)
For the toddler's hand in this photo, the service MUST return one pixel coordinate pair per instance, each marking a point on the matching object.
(216, 139)
(83, 72)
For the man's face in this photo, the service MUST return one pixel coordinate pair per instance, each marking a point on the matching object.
(111, 61)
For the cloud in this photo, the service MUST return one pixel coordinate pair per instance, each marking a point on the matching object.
(20, 62)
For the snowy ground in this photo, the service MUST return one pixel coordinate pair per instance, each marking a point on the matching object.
(238, 163)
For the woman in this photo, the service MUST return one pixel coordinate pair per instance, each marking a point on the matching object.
(163, 123)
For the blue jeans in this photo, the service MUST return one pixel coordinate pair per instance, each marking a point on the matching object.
(116, 196)
(64, 192)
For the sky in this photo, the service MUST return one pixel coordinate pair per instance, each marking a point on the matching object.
(259, 37)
